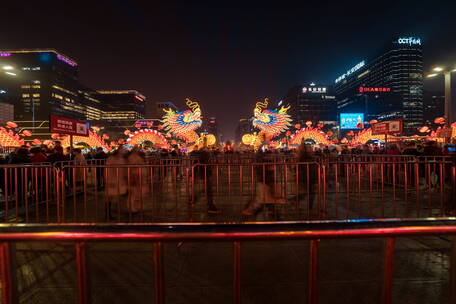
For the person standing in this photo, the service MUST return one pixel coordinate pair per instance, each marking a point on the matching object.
(100, 158)
(137, 180)
(116, 179)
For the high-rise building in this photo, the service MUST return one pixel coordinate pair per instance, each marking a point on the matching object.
(122, 104)
(45, 82)
(434, 106)
(40, 82)
(211, 126)
(244, 127)
(387, 85)
(311, 102)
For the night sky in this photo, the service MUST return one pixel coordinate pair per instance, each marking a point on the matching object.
(226, 55)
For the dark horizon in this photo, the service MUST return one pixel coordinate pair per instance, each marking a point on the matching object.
(228, 57)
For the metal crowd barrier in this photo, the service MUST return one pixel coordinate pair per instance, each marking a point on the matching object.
(314, 232)
(90, 191)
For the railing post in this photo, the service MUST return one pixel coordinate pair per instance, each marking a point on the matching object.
(237, 272)
(313, 272)
(453, 270)
(81, 264)
(9, 293)
(158, 274)
(388, 271)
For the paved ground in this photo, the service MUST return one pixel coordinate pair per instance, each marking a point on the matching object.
(272, 272)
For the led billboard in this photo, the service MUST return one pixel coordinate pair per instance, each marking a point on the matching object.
(351, 120)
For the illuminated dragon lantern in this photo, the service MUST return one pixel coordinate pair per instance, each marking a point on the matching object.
(183, 124)
(270, 122)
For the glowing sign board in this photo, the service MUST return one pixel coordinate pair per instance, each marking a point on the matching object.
(409, 41)
(351, 120)
(369, 89)
(351, 71)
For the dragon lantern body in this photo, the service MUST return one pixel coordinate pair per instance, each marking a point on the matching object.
(270, 122)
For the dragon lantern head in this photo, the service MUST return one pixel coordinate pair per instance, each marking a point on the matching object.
(185, 122)
(272, 122)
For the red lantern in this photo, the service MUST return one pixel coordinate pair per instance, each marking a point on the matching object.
(320, 125)
(373, 121)
(149, 124)
(359, 126)
(439, 120)
(344, 140)
(121, 141)
(174, 142)
(47, 142)
(335, 140)
(11, 124)
(350, 133)
(26, 133)
(453, 125)
(288, 133)
(137, 125)
(298, 126)
(329, 133)
(55, 136)
(36, 141)
(308, 123)
(127, 132)
(105, 136)
(95, 128)
(424, 129)
(160, 127)
(113, 143)
(284, 140)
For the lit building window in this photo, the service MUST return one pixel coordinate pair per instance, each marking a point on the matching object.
(26, 69)
(36, 86)
(36, 81)
(25, 86)
(36, 95)
(25, 95)
(58, 96)
(36, 68)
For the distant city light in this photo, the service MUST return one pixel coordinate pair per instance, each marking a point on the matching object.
(5, 54)
(7, 67)
(432, 75)
(437, 69)
(9, 73)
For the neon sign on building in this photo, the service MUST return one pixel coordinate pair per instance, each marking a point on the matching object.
(409, 41)
(5, 54)
(351, 71)
(369, 89)
(66, 60)
(313, 90)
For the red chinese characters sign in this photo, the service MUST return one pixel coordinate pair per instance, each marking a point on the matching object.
(387, 127)
(369, 89)
(59, 124)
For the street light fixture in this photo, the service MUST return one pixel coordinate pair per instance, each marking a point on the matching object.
(7, 67)
(11, 73)
(448, 102)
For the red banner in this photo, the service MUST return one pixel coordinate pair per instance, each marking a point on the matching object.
(63, 125)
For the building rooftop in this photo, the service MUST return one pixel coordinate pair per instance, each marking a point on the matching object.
(67, 59)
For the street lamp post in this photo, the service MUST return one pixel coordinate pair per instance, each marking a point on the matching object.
(448, 100)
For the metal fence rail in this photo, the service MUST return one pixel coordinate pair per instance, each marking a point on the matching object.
(90, 191)
(314, 232)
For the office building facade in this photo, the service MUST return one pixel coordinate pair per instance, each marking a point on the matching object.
(41, 82)
(388, 85)
(311, 102)
(434, 106)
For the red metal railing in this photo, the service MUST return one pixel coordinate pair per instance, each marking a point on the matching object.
(327, 189)
(237, 233)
